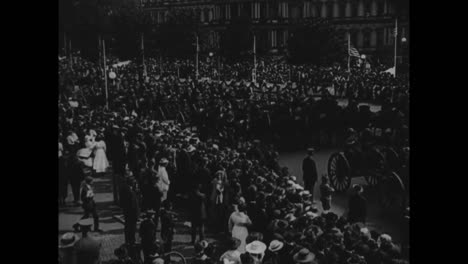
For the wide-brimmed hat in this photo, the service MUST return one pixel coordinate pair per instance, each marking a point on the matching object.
(150, 212)
(280, 224)
(290, 217)
(164, 161)
(84, 153)
(357, 188)
(304, 256)
(256, 247)
(190, 148)
(88, 222)
(68, 240)
(275, 246)
(311, 215)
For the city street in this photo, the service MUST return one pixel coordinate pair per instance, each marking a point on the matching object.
(112, 224)
(377, 219)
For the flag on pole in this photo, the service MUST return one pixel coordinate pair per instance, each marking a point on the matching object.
(353, 52)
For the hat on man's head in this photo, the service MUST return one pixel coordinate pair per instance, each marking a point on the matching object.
(310, 150)
(68, 240)
(89, 179)
(88, 222)
(150, 213)
(304, 256)
(275, 245)
(357, 188)
(200, 246)
(164, 161)
(158, 261)
(84, 153)
(256, 247)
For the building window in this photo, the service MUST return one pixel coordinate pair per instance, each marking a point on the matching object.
(233, 8)
(380, 37)
(354, 38)
(280, 38)
(381, 8)
(366, 39)
(263, 10)
(354, 8)
(330, 9)
(367, 8)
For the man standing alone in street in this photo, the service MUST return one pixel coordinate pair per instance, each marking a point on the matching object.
(309, 172)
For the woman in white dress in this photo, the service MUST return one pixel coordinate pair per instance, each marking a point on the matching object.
(100, 163)
(238, 223)
(163, 179)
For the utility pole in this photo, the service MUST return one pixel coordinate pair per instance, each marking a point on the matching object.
(196, 58)
(105, 72)
(396, 42)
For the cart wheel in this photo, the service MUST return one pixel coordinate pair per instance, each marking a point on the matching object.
(392, 193)
(175, 257)
(392, 159)
(376, 167)
(339, 172)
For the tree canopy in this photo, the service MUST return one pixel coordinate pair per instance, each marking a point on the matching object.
(315, 41)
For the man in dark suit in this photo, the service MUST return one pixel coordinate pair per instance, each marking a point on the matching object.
(185, 169)
(357, 206)
(309, 171)
(148, 234)
(130, 207)
(118, 156)
(87, 248)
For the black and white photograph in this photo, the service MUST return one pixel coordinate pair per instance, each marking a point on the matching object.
(233, 131)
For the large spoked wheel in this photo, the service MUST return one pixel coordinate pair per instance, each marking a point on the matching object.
(376, 167)
(339, 172)
(175, 257)
(392, 193)
(392, 159)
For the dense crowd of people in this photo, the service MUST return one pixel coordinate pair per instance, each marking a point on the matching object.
(231, 181)
(306, 110)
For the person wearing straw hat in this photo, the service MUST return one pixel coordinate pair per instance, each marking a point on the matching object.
(304, 256)
(87, 248)
(67, 250)
(274, 252)
(257, 250)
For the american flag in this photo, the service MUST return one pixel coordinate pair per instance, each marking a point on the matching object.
(353, 52)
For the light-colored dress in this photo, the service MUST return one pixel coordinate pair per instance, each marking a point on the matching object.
(163, 182)
(100, 163)
(237, 228)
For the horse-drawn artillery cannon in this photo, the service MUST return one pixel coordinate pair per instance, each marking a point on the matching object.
(383, 167)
